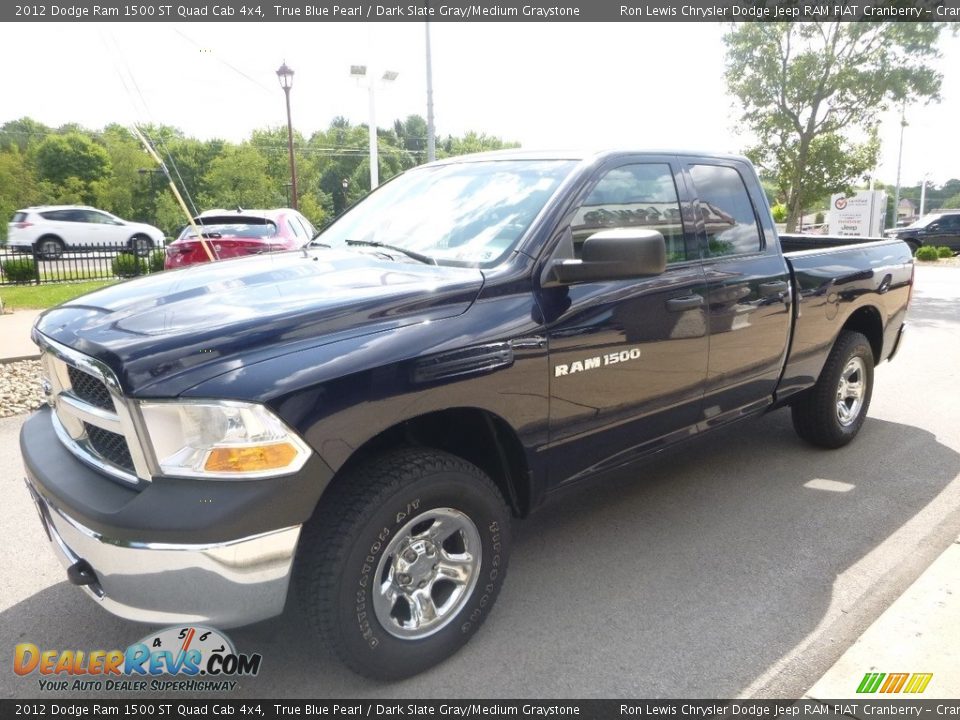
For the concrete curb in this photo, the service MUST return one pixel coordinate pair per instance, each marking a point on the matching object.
(6, 360)
(916, 634)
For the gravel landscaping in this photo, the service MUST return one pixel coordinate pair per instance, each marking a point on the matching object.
(20, 388)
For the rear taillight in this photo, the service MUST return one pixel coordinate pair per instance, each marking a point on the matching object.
(23, 225)
(913, 274)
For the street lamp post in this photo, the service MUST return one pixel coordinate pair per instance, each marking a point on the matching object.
(285, 76)
(360, 72)
(896, 194)
(923, 193)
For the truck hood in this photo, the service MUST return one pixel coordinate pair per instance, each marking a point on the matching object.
(166, 332)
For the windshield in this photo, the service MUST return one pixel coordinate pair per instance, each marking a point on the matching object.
(923, 222)
(469, 213)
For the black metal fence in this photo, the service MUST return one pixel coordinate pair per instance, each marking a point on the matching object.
(101, 263)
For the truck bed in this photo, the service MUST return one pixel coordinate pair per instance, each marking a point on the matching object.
(870, 280)
(792, 242)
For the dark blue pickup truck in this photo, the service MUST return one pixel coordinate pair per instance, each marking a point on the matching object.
(358, 422)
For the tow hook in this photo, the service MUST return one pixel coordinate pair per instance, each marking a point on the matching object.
(81, 573)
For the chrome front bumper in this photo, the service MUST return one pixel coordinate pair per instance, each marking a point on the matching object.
(221, 584)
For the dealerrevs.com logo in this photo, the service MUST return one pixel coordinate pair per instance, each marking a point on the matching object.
(198, 658)
(911, 683)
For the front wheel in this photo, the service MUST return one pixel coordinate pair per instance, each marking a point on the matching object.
(831, 413)
(49, 248)
(403, 561)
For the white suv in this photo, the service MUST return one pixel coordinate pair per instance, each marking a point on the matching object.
(50, 230)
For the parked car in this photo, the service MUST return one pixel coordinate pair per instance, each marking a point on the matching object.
(235, 233)
(938, 229)
(50, 230)
(362, 421)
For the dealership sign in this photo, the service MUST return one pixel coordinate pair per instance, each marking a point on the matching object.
(859, 215)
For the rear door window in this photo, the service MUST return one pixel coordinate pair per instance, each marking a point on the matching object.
(296, 228)
(307, 226)
(726, 211)
(57, 215)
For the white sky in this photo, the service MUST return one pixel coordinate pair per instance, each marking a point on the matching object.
(645, 85)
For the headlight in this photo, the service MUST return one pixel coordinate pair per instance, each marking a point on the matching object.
(221, 439)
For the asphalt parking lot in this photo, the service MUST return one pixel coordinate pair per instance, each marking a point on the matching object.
(724, 568)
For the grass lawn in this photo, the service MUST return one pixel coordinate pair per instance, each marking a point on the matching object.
(16, 297)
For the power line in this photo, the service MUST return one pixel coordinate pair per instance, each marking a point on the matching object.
(237, 70)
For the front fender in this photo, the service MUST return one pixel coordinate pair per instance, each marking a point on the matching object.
(340, 395)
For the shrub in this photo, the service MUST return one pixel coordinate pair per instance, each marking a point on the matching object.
(820, 218)
(944, 252)
(927, 253)
(156, 260)
(779, 213)
(20, 270)
(126, 266)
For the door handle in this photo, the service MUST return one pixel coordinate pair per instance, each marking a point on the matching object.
(688, 302)
(769, 289)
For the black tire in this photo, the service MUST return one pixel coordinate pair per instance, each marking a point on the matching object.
(347, 540)
(140, 245)
(914, 246)
(49, 247)
(818, 416)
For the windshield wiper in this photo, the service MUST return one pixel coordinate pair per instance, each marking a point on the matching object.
(426, 259)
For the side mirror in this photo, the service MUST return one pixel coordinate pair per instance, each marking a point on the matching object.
(612, 255)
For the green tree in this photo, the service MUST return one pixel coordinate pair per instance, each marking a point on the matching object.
(22, 134)
(473, 142)
(125, 190)
(238, 178)
(18, 186)
(951, 203)
(808, 88)
(72, 162)
(412, 136)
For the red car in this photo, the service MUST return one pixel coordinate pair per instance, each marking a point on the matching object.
(236, 233)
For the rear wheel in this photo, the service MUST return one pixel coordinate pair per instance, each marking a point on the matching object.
(913, 245)
(49, 248)
(831, 413)
(141, 245)
(403, 561)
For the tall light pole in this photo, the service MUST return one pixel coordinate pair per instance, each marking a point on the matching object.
(285, 75)
(896, 195)
(360, 72)
(431, 131)
(923, 193)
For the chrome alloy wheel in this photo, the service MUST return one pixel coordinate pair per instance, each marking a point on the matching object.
(850, 391)
(427, 573)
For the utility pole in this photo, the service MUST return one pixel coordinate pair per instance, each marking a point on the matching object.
(431, 132)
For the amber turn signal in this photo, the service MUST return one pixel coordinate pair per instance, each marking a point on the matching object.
(250, 459)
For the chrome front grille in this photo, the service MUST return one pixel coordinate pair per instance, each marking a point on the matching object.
(111, 447)
(89, 388)
(91, 416)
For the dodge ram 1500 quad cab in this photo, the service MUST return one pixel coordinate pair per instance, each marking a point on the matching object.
(357, 422)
